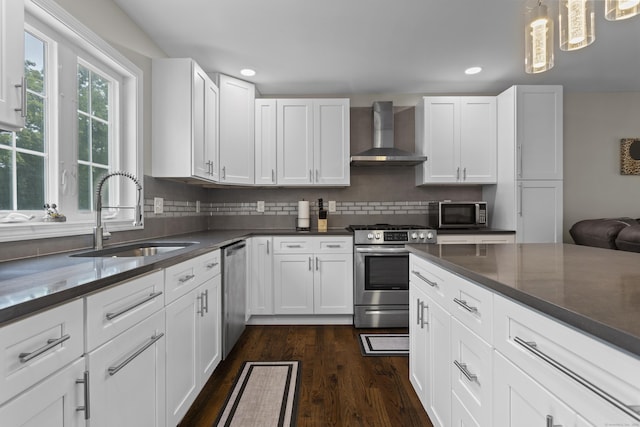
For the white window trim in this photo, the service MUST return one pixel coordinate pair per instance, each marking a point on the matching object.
(131, 121)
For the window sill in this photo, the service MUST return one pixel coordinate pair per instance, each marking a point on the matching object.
(11, 232)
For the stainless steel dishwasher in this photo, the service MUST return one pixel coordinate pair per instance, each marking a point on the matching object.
(234, 289)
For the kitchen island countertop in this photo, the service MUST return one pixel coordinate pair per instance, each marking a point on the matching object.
(33, 284)
(594, 290)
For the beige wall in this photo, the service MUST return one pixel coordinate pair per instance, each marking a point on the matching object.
(594, 123)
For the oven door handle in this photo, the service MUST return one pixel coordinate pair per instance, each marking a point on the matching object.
(382, 250)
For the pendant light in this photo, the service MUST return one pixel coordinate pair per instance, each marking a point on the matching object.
(616, 10)
(538, 40)
(577, 24)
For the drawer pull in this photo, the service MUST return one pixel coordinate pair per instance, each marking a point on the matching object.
(294, 246)
(421, 277)
(334, 246)
(25, 357)
(211, 265)
(462, 303)
(111, 316)
(632, 411)
(114, 369)
(465, 371)
(550, 422)
(186, 278)
(85, 408)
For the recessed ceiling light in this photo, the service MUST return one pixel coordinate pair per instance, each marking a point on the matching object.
(473, 70)
(248, 72)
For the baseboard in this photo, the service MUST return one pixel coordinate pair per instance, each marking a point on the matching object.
(343, 319)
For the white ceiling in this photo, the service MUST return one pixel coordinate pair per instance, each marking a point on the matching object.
(350, 47)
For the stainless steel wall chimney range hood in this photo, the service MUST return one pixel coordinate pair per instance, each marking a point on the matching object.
(383, 152)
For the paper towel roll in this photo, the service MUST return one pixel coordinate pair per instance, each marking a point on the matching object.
(303, 209)
(303, 222)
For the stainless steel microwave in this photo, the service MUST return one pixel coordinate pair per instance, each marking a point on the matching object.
(448, 214)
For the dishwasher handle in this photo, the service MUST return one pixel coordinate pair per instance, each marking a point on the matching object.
(229, 250)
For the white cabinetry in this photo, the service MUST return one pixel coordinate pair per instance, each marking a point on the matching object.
(53, 403)
(185, 121)
(261, 276)
(265, 148)
(237, 109)
(458, 136)
(193, 326)
(528, 194)
(12, 91)
(125, 352)
(313, 275)
(313, 142)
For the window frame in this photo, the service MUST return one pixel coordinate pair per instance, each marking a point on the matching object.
(128, 153)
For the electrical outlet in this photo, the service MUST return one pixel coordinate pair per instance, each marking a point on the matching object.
(332, 205)
(197, 206)
(260, 206)
(158, 205)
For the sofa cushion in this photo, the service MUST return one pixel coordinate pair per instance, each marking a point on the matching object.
(601, 233)
(629, 239)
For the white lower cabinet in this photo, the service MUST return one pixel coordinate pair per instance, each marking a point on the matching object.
(429, 355)
(53, 403)
(313, 275)
(193, 324)
(127, 377)
(260, 296)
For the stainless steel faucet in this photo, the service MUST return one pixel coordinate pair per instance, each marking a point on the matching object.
(98, 229)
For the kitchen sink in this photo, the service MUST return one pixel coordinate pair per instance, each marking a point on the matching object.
(136, 250)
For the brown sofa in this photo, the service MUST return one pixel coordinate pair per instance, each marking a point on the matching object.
(611, 233)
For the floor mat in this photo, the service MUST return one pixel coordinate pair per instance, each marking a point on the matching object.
(384, 344)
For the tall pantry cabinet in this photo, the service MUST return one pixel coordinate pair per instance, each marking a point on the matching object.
(528, 194)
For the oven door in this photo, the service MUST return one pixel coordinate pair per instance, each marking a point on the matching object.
(381, 275)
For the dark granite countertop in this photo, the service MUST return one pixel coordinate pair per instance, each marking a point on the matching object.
(594, 290)
(474, 231)
(34, 284)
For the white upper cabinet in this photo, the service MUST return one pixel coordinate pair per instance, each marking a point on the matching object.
(458, 136)
(185, 121)
(536, 130)
(265, 138)
(313, 142)
(237, 110)
(12, 85)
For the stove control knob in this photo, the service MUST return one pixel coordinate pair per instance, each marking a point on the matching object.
(422, 236)
(370, 236)
(377, 235)
(430, 235)
(414, 235)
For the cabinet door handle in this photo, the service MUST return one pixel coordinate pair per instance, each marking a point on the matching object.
(427, 281)
(317, 267)
(267, 247)
(51, 343)
(520, 201)
(465, 371)
(418, 311)
(317, 175)
(113, 315)
(632, 411)
(464, 174)
(23, 95)
(519, 148)
(206, 301)
(422, 307)
(200, 310)
(310, 264)
(273, 175)
(114, 369)
(458, 174)
(87, 406)
(224, 172)
(462, 303)
(310, 175)
(550, 422)
(186, 278)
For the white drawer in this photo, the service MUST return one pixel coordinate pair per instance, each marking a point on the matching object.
(114, 310)
(460, 416)
(564, 359)
(333, 244)
(471, 372)
(472, 305)
(39, 345)
(433, 280)
(186, 276)
(292, 244)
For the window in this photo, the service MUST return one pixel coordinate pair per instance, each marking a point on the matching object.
(23, 155)
(83, 121)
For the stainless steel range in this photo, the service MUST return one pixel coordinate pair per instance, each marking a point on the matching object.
(381, 273)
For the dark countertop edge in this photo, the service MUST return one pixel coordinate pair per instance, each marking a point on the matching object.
(35, 305)
(602, 332)
(474, 231)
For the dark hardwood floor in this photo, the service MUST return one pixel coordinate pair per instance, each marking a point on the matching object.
(339, 386)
